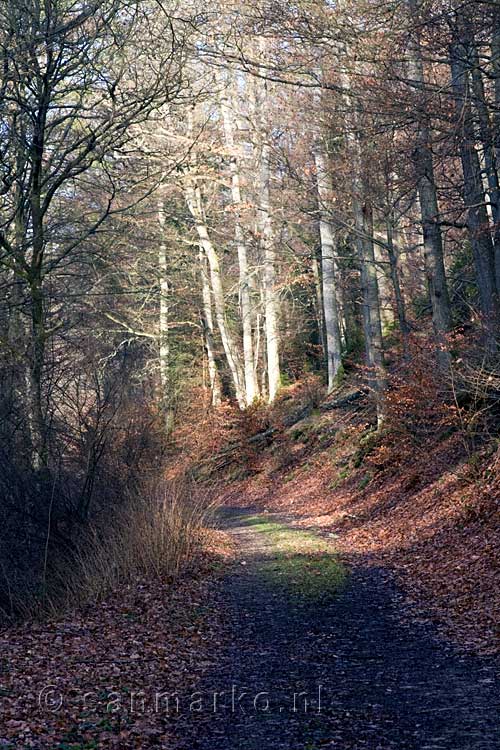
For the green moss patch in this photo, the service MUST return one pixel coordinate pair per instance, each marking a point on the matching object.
(299, 561)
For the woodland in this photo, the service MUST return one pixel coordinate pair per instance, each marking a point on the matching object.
(249, 258)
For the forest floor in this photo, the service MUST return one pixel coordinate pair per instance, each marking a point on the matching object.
(426, 510)
(101, 676)
(271, 642)
(350, 602)
(316, 656)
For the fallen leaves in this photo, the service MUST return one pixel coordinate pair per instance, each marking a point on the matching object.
(93, 678)
(425, 516)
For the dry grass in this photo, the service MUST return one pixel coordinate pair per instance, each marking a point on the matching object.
(156, 535)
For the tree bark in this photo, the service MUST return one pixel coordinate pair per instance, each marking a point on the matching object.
(474, 198)
(208, 332)
(318, 306)
(487, 139)
(372, 324)
(385, 287)
(495, 55)
(163, 336)
(195, 205)
(269, 272)
(329, 294)
(363, 238)
(427, 193)
(37, 417)
(400, 303)
(251, 385)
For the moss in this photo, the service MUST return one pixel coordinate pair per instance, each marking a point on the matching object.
(363, 484)
(341, 477)
(366, 445)
(285, 380)
(300, 562)
(340, 376)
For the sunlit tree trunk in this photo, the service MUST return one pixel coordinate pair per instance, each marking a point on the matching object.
(195, 205)
(363, 239)
(163, 335)
(487, 139)
(329, 294)
(208, 332)
(268, 254)
(318, 289)
(384, 286)
(251, 386)
(269, 275)
(363, 222)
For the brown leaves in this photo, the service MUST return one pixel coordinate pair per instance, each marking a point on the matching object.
(90, 680)
(411, 500)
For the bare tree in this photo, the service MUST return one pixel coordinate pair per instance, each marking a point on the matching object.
(228, 116)
(427, 192)
(75, 84)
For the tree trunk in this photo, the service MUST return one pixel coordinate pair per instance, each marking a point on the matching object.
(208, 333)
(195, 205)
(318, 306)
(163, 336)
(37, 416)
(17, 333)
(495, 58)
(329, 294)
(487, 139)
(427, 193)
(372, 324)
(251, 385)
(400, 303)
(269, 274)
(495, 55)
(474, 198)
(385, 287)
(363, 239)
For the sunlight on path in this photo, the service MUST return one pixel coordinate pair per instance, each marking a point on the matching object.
(316, 657)
(296, 560)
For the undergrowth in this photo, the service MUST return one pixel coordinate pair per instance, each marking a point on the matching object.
(157, 534)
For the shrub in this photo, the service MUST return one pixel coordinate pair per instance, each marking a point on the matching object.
(155, 535)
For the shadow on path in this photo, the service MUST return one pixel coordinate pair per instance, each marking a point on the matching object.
(342, 670)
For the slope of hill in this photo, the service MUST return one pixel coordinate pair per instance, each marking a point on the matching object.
(421, 505)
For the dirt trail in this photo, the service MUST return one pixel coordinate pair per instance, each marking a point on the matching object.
(340, 670)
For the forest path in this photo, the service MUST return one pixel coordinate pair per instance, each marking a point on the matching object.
(303, 631)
